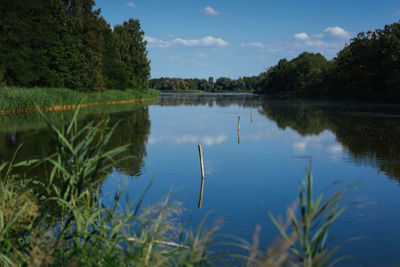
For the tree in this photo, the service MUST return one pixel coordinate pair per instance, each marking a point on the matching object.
(302, 76)
(87, 29)
(369, 67)
(223, 83)
(18, 40)
(67, 44)
(132, 50)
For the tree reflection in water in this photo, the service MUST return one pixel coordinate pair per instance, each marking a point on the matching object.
(370, 133)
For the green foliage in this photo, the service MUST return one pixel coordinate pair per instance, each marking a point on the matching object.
(366, 69)
(369, 67)
(310, 232)
(115, 71)
(85, 231)
(178, 84)
(302, 76)
(67, 44)
(133, 55)
(20, 98)
(221, 84)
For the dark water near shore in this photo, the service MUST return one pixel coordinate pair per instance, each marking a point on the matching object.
(356, 145)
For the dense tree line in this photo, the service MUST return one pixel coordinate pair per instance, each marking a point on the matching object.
(66, 43)
(220, 85)
(300, 76)
(367, 68)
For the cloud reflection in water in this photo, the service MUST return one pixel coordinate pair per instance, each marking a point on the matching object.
(189, 138)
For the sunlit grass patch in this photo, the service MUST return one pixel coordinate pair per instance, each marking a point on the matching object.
(14, 98)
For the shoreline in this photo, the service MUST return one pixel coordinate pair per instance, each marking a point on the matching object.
(73, 106)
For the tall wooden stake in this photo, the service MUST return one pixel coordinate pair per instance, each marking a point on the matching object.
(202, 176)
(201, 193)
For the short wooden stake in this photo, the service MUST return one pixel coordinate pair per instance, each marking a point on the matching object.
(202, 176)
(251, 114)
(238, 129)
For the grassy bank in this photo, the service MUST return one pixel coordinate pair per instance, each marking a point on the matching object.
(33, 121)
(13, 98)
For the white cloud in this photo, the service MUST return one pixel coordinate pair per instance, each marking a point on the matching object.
(208, 41)
(153, 42)
(337, 148)
(253, 44)
(327, 42)
(300, 145)
(210, 11)
(301, 36)
(131, 4)
(337, 32)
(209, 167)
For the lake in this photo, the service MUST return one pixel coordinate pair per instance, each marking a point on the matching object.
(257, 167)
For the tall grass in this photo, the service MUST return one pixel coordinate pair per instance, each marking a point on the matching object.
(64, 221)
(308, 241)
(33, 121)
(84, 230)
(21, 98)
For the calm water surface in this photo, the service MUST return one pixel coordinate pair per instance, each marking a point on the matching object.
(350, 145)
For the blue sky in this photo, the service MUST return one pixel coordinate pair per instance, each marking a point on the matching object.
(202, 38)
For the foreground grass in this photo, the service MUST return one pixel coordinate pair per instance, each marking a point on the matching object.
(64, 222)
(21, 98)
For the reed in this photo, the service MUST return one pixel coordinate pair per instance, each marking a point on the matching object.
(85, 231)
(309, 239)
(65, 222)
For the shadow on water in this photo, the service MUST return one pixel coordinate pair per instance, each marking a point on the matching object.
(39, 142)
(369, 132)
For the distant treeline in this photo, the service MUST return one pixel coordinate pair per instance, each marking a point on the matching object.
(66, 43)
(220, 85)
(368, 68)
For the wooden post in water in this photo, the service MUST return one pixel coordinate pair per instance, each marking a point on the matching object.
(251, 114)
(202, 176)
(201, 193)
(238, 129)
